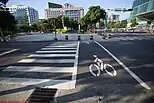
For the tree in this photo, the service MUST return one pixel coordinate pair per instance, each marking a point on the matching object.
(133, 23)
(119, 24)
(123, 24)
(25, 21)
(4, 1)
(94, 14)
(7, 21)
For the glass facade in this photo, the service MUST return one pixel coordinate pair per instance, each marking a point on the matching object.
(53, 5)
(141, 6)
(139, 2)
(75, 14)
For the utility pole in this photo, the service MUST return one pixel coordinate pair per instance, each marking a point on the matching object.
(63, 19)
(55, 38)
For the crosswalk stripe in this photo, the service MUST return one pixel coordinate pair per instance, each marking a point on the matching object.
(46, 61)
(62, 51)
(62, 46)
(57, 48)
(40, 69)
(52, 55)
(59, 84)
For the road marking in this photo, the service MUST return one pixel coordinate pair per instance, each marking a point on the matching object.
(62, 51)
(61, 46)
(46, 83)
(40, 69)
(56, 48)
(52, 55)
(86, 42)
(46, 61)
(125, 67)
(7, 52)
(74, 74)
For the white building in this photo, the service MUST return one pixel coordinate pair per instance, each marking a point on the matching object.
(67, 10)
(114, 18)
(19, 12)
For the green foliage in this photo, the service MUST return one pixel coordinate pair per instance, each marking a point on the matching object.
(55, 23)
(4, 1)
(93, 16)
(24, 28)
(61, 31)
(25, 20)
(133, 23)
(7, 21)
(122, 24)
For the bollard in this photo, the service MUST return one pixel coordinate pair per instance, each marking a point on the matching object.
(110, 35)
(79, 38)
(104, 36)
(91, 37)
(55, 39)
(66, 37)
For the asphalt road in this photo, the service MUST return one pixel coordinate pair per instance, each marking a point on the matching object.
(65, 65)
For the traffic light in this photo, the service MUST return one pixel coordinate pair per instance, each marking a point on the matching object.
(130, 10)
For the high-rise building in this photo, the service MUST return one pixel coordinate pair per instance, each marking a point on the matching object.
(143, 10)
(114, 18)
(19, 11)
(67, 10)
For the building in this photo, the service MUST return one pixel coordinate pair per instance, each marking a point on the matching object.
(19, 11)
(143, 11)
(53, 5)
(67, 10)
(114, 18)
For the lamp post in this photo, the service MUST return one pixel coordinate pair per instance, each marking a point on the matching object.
(62, 14)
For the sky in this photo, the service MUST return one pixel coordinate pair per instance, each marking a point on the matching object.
(40, 5)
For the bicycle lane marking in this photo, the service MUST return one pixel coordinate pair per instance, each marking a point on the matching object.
(142, 83)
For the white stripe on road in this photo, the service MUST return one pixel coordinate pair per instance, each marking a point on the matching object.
(62, 51)
(52, 55)
(7, 52)
(74, 74)
(125, 67)
(40, 69)
(46, 61)
(61, 46)
(47, 83)
(57, 48)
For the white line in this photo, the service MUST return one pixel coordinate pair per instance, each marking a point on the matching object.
(126, 68)
(40, 69)
(64, 44)
(46, 61)
(61, 46)
(13, 50)
(62, 51)
(52, 55)
(74, 74)
(56, 48)
(47, 83)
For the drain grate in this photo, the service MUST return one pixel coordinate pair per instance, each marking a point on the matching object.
(42, 95)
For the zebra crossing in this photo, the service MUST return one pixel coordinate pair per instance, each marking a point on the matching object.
(54, 66)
